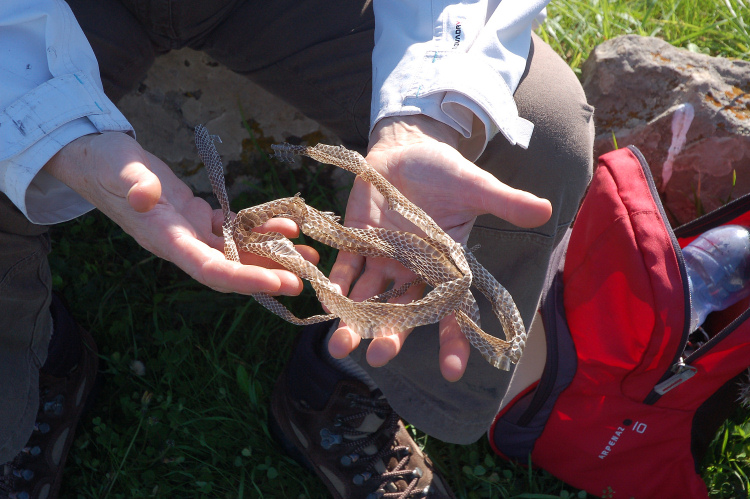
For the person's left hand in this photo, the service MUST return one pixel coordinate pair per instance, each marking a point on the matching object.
(418, 156)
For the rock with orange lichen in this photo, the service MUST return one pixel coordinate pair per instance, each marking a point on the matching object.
(688, 113)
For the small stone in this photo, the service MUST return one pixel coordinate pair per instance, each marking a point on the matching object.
(138, 368)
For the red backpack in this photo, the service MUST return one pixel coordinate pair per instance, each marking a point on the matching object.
(622, 408)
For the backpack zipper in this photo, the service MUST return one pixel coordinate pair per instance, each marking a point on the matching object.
(675, 373)
(682, 372)
(681, 369)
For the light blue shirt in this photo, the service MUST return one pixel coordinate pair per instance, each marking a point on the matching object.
(457, 62)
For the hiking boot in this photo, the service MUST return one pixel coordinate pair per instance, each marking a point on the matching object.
(348, 435)
(36, 472)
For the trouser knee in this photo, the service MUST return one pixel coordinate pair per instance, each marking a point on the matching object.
(557, 165)
(25, 280)
(25, 323)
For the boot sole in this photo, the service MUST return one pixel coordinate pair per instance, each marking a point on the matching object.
(289, 448)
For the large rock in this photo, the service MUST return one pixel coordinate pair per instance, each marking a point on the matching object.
(687, 112)
(185, 88)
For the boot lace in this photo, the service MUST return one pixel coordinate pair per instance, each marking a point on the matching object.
(14, 475)
(354, 449)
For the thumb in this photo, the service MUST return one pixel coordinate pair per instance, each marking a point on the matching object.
(143, 186)
(518, 207)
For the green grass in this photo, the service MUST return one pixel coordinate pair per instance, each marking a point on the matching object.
(194, 423)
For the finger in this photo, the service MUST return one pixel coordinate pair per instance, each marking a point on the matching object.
(217, 223)
(129, 176)
(383, 349)
(379, 275)
(346, 269)
(201, 218)
(524, 209)
(518, 207)
(215, 242)
(343, 342)
(281, 225)
(143, 187)
(337, 289)
(454, 349)
(233, 277)
(372, 282)
(307, 252)
(209, 266)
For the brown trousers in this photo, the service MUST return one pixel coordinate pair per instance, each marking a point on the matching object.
(316, 56)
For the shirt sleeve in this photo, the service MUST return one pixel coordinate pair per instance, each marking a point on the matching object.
(457, 62)
(51, 95)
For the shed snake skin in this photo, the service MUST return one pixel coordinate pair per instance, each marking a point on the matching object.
(436, 259)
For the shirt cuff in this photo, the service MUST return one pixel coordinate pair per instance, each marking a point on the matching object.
(41, 197)
(484, 99)
(35, 128)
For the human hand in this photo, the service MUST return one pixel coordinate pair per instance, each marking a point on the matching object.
(419, 157)
(143, 196)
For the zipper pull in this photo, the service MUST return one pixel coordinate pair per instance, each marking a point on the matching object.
(682, 372)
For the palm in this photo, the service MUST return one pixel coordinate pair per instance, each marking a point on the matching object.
(144, 197)
(431, 176)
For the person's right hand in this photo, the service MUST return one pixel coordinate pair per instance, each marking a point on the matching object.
(419, 156)
(143, 196)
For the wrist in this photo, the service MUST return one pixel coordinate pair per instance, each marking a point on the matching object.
(69, 156)
(397, 131)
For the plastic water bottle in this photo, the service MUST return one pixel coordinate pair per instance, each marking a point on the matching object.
(718, 268)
